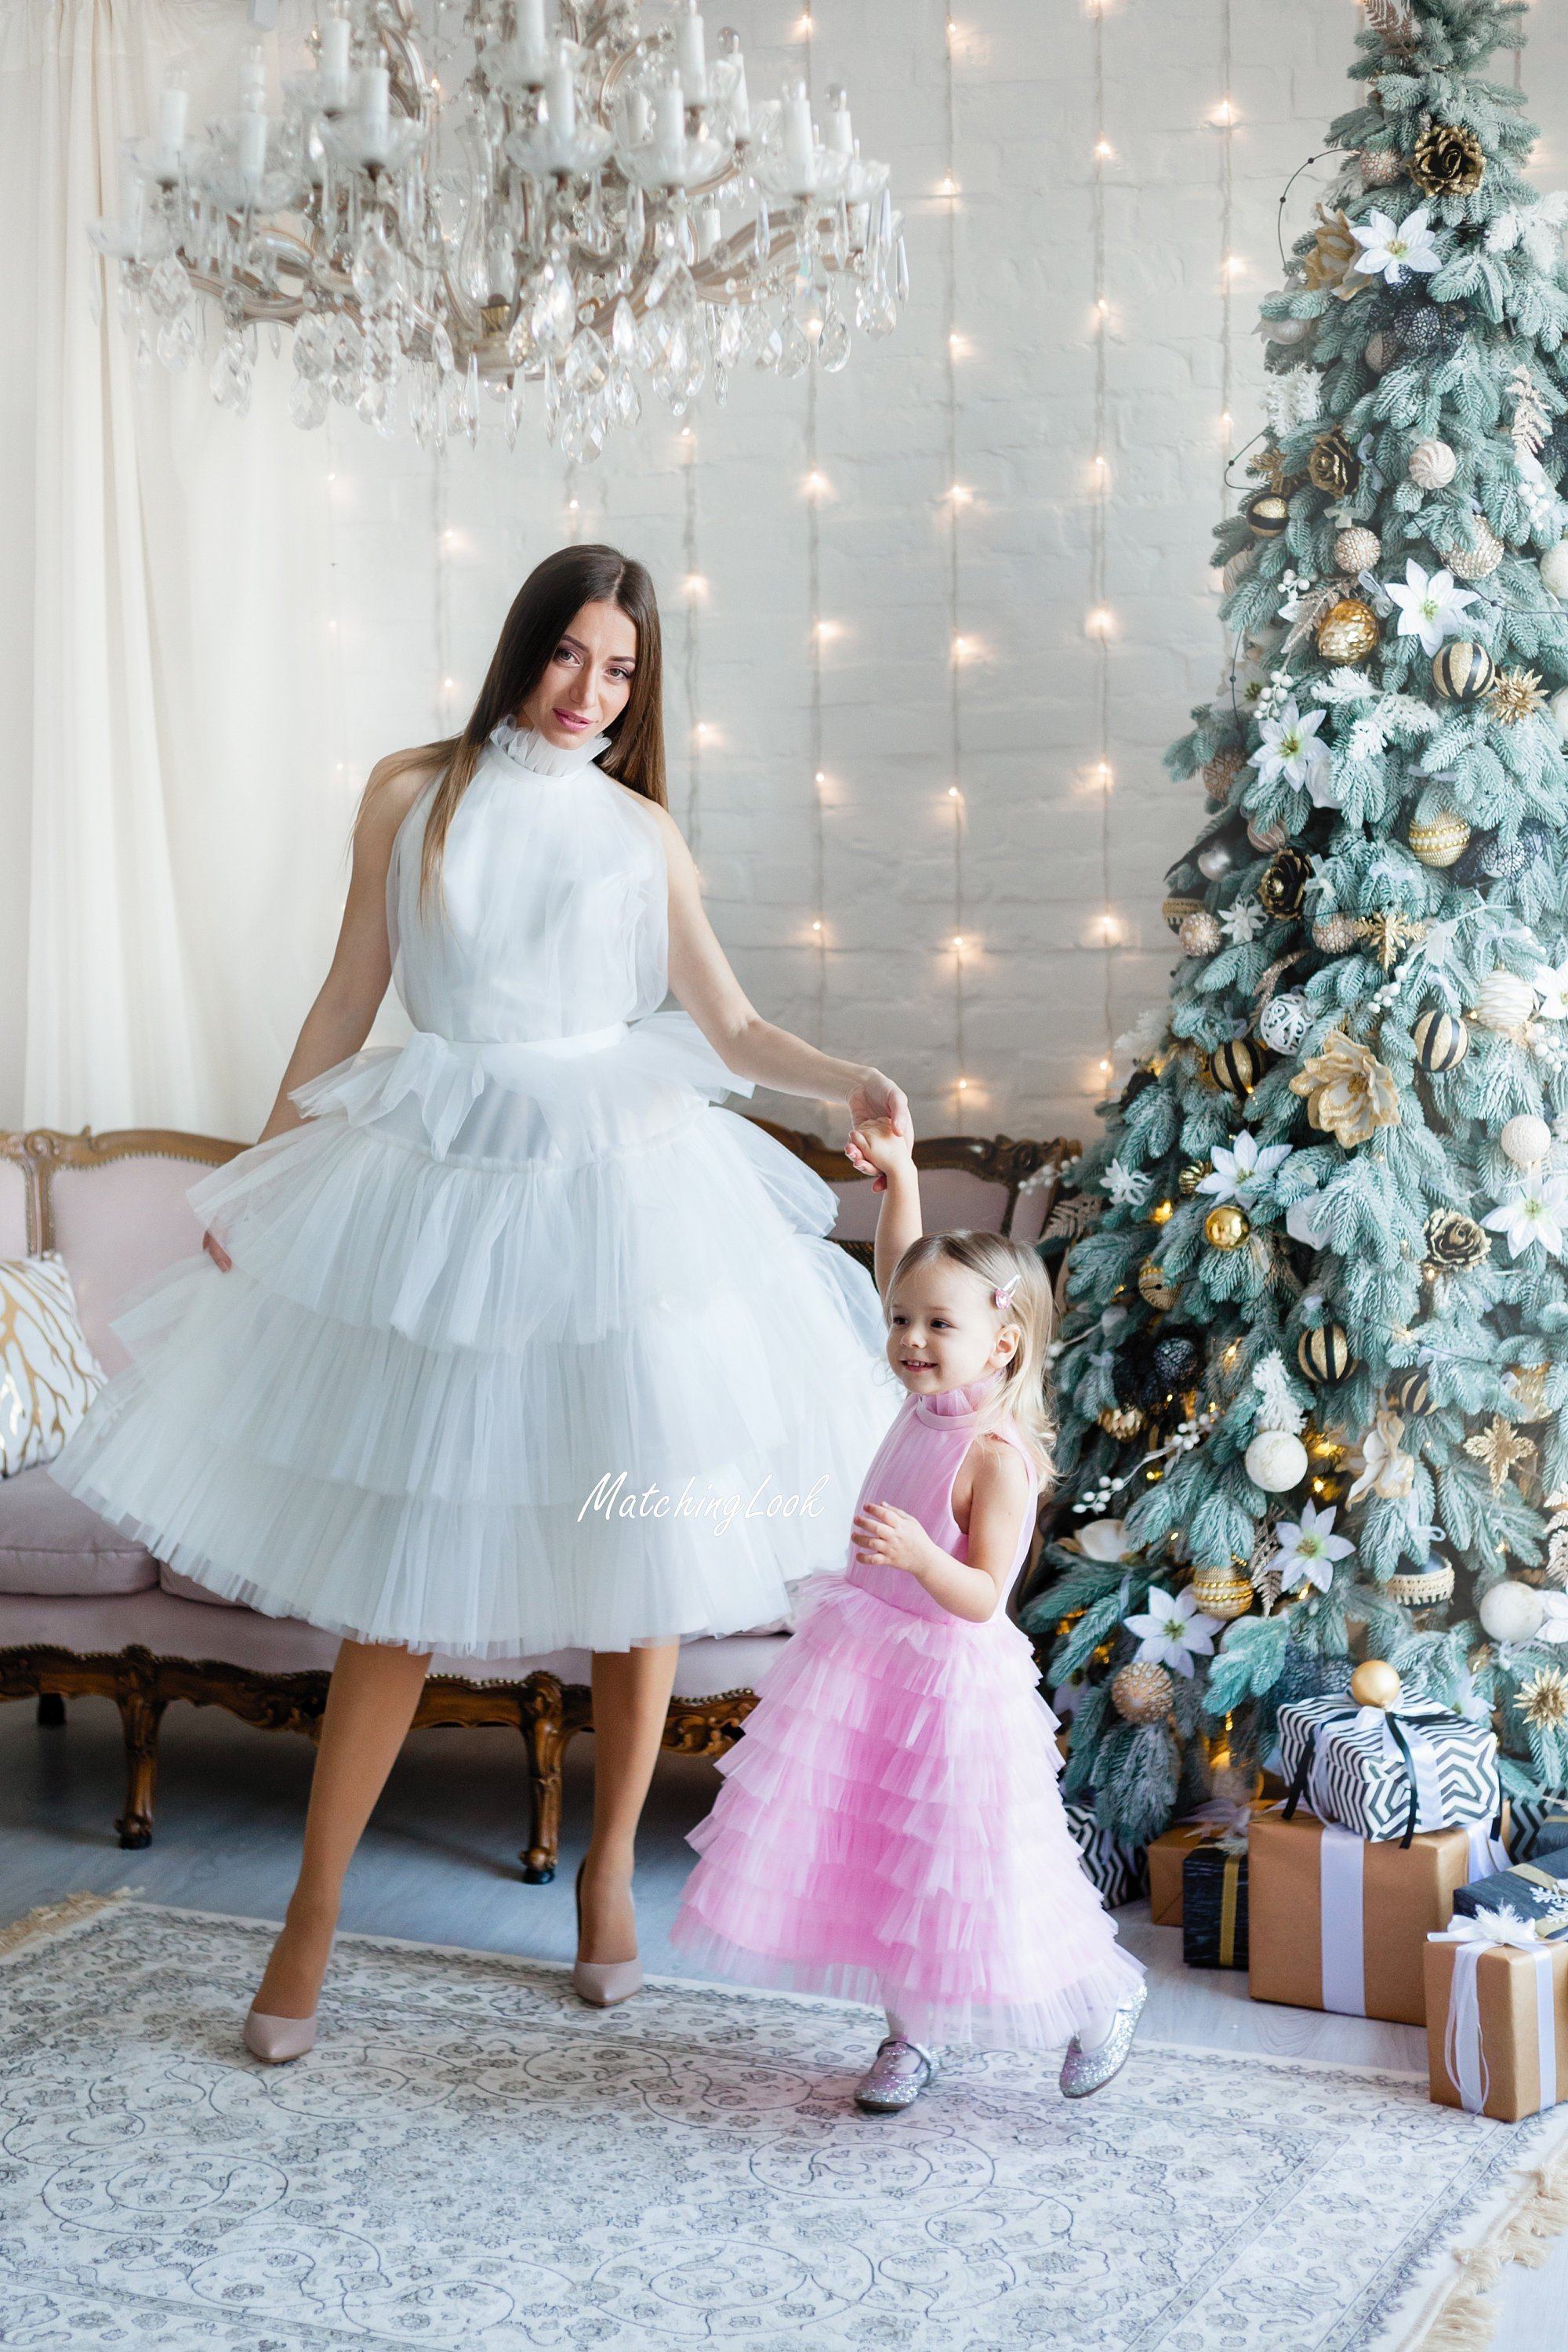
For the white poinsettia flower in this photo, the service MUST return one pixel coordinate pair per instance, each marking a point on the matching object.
(1310, 1549)
(1291, 747)
(1242, 921)
(1173, 1630)
(1535, 1213)
(1432, 606)
(1391, 249)
(1105, 1539)
(1239, 1166)
(1551, 983)
(1126, 1186)
(1554, 1625)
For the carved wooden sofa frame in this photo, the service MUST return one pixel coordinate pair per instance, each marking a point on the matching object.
(547, 1712)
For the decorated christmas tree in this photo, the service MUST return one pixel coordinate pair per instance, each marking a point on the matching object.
(1316, 1345)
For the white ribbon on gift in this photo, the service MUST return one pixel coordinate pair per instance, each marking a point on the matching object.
(1341, 1863)
(1423, 1758)
(1462, 2051)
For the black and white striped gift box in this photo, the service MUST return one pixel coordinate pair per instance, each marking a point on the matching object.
(1389, 1772)
(1118, 1871)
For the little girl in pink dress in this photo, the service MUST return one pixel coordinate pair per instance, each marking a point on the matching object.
(890, 1828)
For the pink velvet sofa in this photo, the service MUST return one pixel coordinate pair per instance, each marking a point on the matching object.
(86, 1611)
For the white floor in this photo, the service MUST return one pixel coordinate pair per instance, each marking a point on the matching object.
(439, 1865)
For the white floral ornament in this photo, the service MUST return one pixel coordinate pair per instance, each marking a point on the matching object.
(1242, 921)
(1431, 605)
(1106, 1539)
(1310, 1549)
(1246, 1162)
(1536, 1212)
(1126, 1186)
(1391, 249)
(1551, 987)
(1291, 748)
(1388, 1470)
(1173, 1630)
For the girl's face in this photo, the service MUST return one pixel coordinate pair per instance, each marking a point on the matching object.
(944, 1332)
(587, 682)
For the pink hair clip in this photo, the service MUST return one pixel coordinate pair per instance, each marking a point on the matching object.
(1002, 1295)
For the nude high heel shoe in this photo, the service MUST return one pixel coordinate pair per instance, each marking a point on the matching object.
(276, 2039)
(602, 1982)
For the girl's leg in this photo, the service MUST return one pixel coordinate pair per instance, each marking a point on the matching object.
(371, 1702)
(631, 1702)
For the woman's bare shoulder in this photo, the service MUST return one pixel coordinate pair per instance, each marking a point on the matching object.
(391, 789)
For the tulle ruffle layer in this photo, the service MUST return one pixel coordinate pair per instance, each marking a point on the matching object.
(889, 1830)
(496, 1409)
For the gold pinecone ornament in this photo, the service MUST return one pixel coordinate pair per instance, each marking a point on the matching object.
(1142, 1691)
(1348, 631)
(1448, 161)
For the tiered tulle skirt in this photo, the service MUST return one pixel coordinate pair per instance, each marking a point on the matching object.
(519, 1352)
(890, 1830)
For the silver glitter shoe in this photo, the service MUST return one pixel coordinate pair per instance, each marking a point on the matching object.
(1084, 2071)
(900, 2072)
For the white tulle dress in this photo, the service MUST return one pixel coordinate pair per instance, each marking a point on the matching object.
(527, 1345)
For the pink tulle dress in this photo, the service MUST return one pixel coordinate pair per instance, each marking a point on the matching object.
(890, 1828)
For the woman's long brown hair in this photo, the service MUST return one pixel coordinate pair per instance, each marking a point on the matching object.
(541, 611)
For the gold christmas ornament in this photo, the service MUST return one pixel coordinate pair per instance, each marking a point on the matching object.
(1480, 560)
(1324, 1355)
(1516, 694)
(1504, 1002)
(1200, 933)
(1526, 1384)
(1236, 569)
(1333, 466)
(1348, 631)
(1121, 1422)
(1191, 1177)
(1142, 1692)
(1225, 1226)
(1221, 773)
(1544, 1699)
(1441, 1041)
(1267, 836)
(1349, 1093)
(1412, 1392)
(1391, 933)
(1461, 671)
(1283, 883)
(1379, 167)
(1155, 1287)
(1375, 1684)
(1335, 934)
(1220, 1592)
(1267, 514)
(1433, 465)
(1177, 908)
(1447, 161)
(1442, 840)
(1237, 1065)
(1501, 1447)
(1422, 1587)
(1456, 1243)
(1333, 251)
(1357, 550)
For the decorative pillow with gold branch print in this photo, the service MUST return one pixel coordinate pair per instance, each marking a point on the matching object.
(48, 1374)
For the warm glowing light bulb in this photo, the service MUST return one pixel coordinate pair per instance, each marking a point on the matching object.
(1105, 1062)
(815, 484)
(694, 585)
(1225, 112)
(958, 940)
(822, 775)
(947, 185)
(962, 1085)
(958, 345)
(953, 792)
(1098, 623)
(1104, 151)
(817, 923)
(960, 494)
(571, 506)
(826, 632)
(1234, 264)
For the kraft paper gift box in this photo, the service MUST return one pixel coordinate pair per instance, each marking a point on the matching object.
(1167, 1854)
(1340, 1922)
(1386, 1773)
(1497, 2018)
(1116, 1869)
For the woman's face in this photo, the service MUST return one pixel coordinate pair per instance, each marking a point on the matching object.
(588, 679)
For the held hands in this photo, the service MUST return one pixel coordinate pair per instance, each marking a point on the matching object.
(892, 1539)
(877, 1100)
(879, 1144)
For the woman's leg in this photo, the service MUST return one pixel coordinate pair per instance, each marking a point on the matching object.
(631, 1701)
(371, 1702)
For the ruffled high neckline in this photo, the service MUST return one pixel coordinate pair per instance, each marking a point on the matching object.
(527, 748)
(965, 1403)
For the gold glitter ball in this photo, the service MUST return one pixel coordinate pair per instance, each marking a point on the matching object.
(1348, 631)
(1442, 840)
(1219, 1592)
(1481, 558)
(1142, 1692)
(1155, 1287)
(1357, 550)
(1335, 934)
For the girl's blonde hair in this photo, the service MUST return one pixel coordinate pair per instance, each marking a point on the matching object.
(996, 1261)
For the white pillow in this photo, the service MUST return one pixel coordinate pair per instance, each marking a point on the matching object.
(48, 1374)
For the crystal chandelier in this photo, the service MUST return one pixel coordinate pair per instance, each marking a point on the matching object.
(593, 203)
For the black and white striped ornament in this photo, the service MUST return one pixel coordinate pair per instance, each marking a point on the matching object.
(1237, 1065)
(1441, 1040)
(1324, 1355)
(1462, 671)
(1412, 1394)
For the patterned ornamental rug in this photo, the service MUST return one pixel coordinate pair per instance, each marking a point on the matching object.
(471, 2161)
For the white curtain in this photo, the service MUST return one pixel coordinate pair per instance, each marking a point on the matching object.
(182, 818)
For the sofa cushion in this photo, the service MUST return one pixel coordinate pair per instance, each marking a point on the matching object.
(51, 1544)
(48, 1374)
(187, 1589)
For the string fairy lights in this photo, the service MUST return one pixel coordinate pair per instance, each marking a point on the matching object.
(1106, 930)
(1232, 265)
(961, 648)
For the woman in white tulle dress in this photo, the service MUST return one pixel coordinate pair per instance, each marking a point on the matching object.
(460, 1287)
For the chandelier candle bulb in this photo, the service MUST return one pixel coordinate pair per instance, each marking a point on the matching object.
(561, 96)
(798, 137)
(375, 98)
(691, 58)
(840, 137)
(253, 81)
(173, 112)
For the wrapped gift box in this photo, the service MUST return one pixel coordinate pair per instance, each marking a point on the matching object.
(1536, 1822)
(1116, 1869)
(1214, 1907)
(1340, 1922)
(1166, 1856)
(1497, 2023)
(1386, 1773)
(1530, 1890)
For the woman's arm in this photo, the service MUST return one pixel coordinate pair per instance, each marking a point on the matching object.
(337, 1022)
(998, 1499)
(705, 986)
